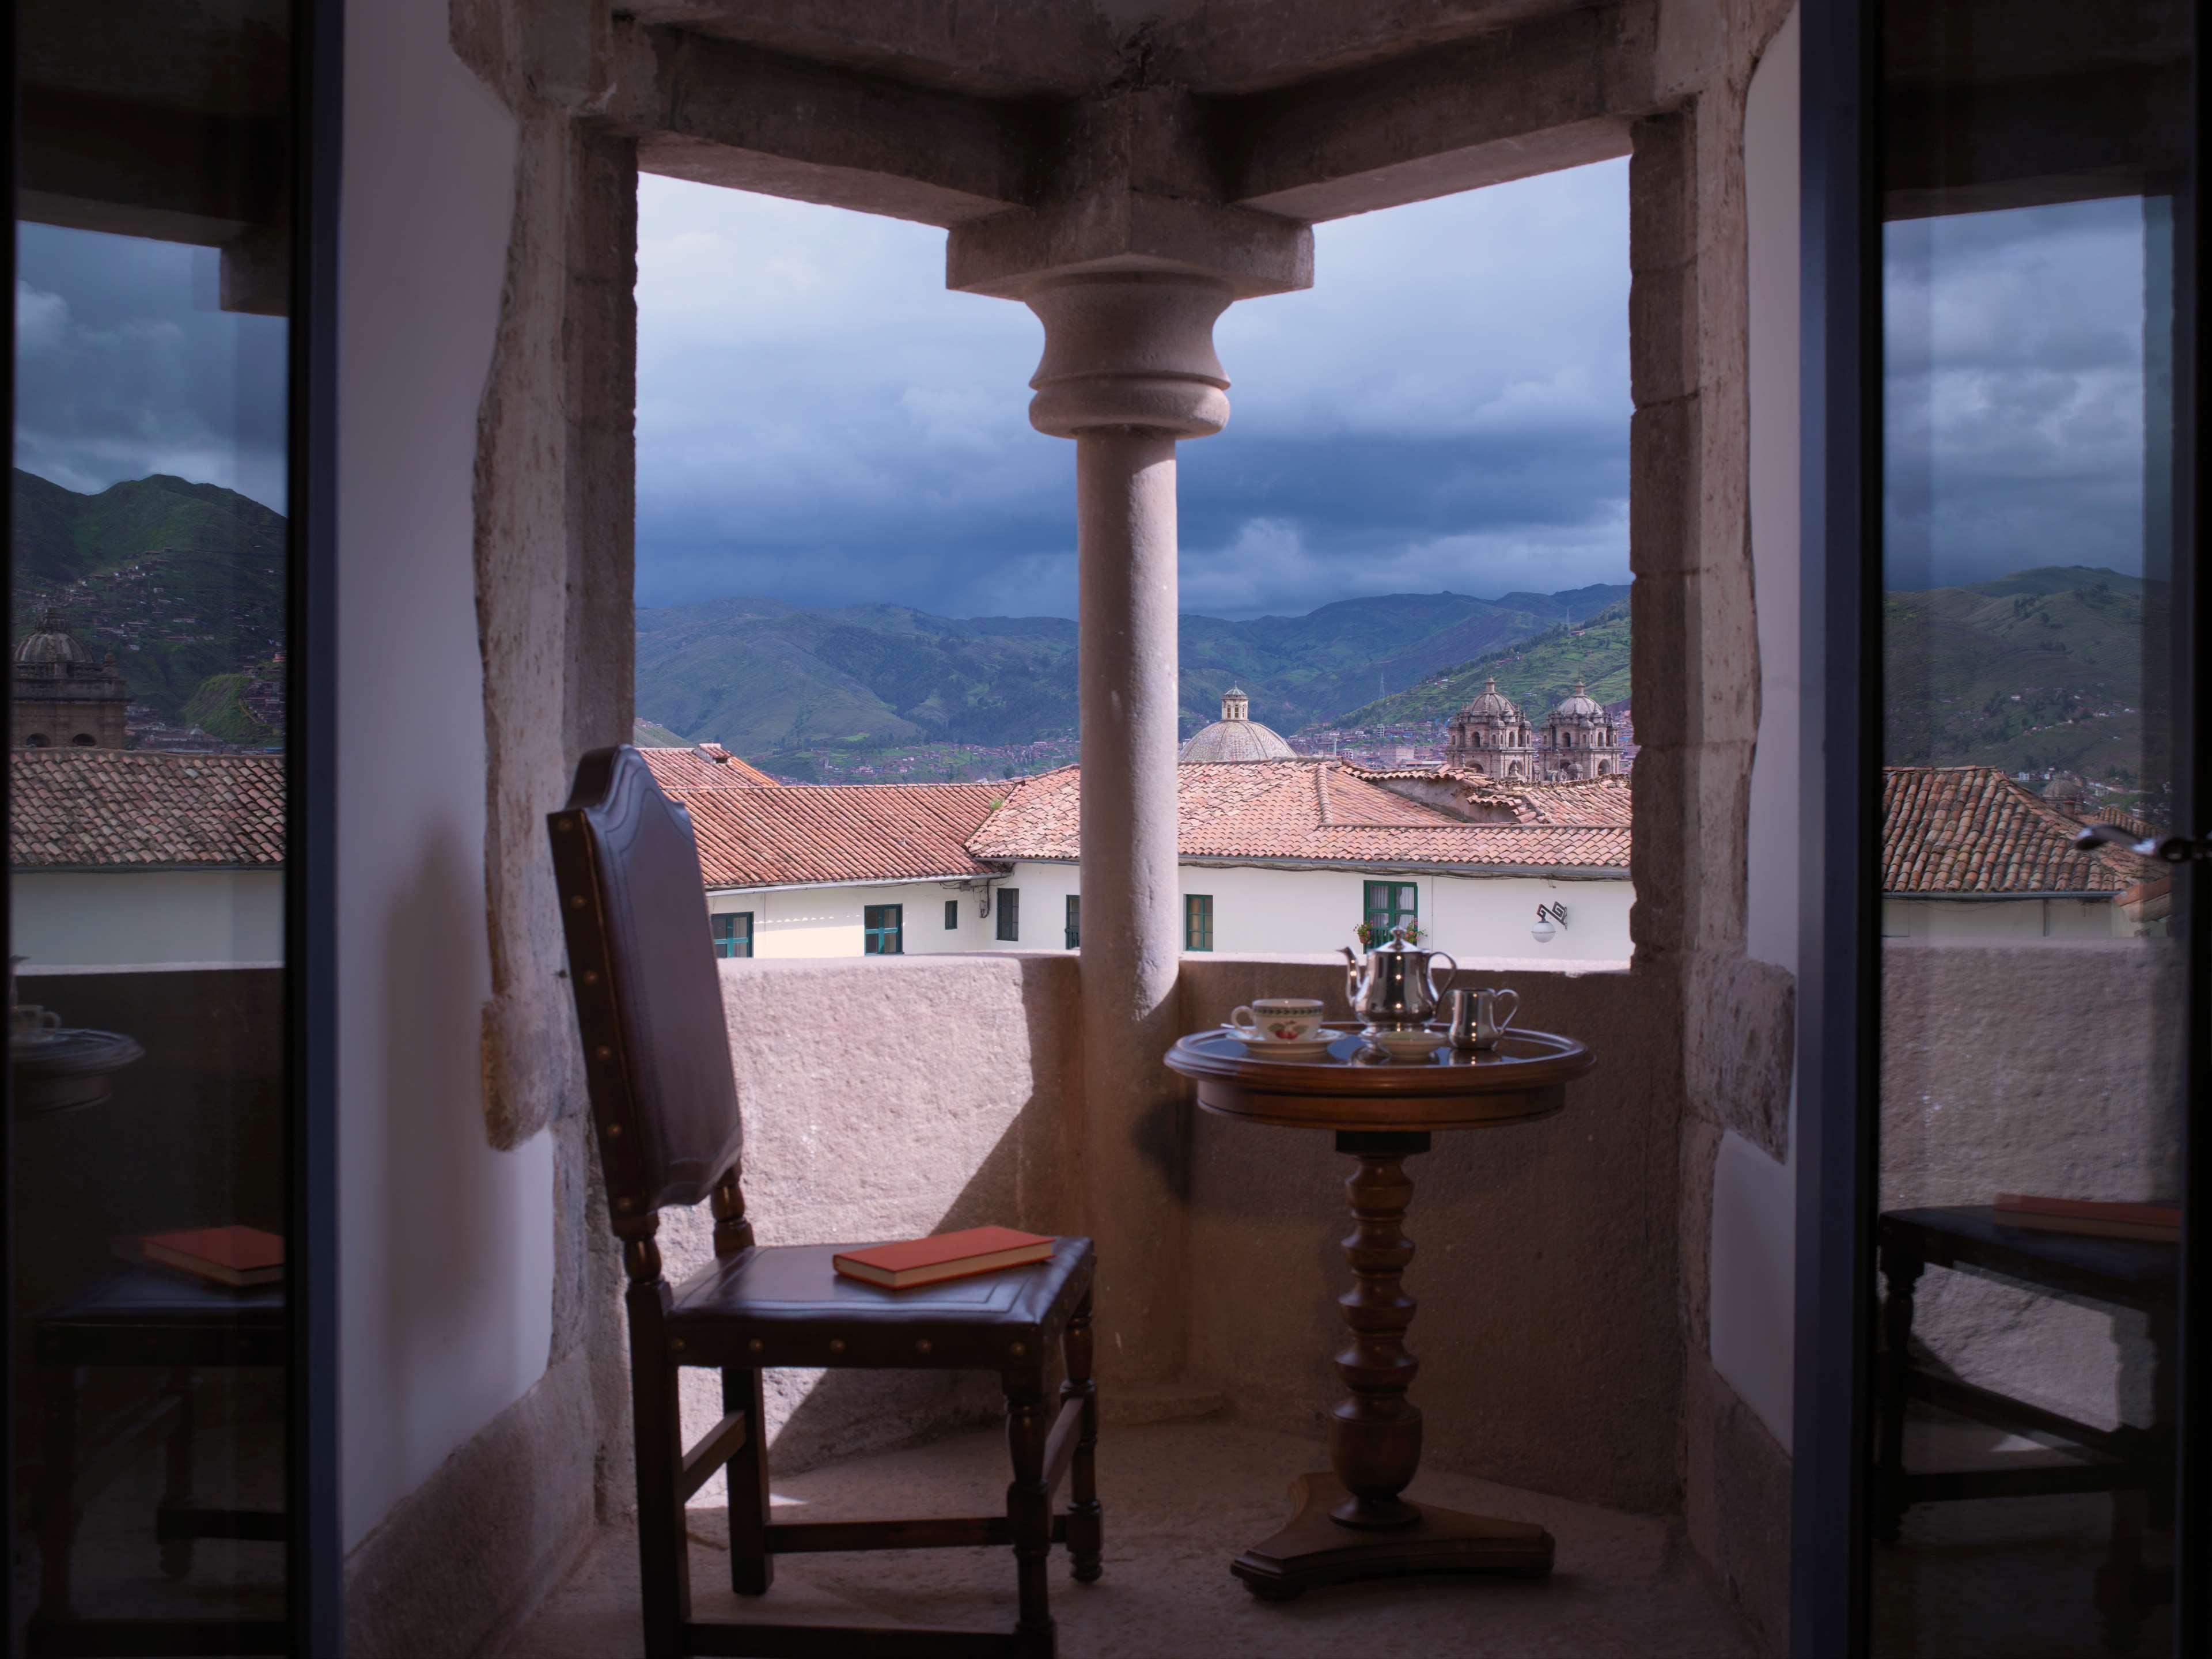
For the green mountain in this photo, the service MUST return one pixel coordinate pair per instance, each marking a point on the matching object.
(185, 582)
(780, 683)
(2044, 668)
(1536, 672)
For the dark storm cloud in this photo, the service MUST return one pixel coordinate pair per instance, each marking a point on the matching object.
(125, 366)
(2014, 392)
(1447, 408)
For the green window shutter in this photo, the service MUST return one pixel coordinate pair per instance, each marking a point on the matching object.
(882, 928)
(1074, 921)
(1198, 921)
(1010, 915)
(732, 932)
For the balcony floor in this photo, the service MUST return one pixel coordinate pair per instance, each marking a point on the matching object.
(1181, 1499)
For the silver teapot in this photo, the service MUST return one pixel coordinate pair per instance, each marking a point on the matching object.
(1394, 988)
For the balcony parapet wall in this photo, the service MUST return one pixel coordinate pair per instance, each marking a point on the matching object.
(893, 1096)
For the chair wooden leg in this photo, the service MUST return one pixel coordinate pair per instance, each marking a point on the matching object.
(1086, 1526)
(752, 1569)
(663, 1556)
(58, 1511)
(1029, 1510)
(1903, 1272)
(177, 1488)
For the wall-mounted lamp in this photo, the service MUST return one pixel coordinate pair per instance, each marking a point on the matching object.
(1546, 916)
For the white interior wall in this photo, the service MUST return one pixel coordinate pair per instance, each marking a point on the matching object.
(1754, 1199)
(98, 918)
(446, 1247)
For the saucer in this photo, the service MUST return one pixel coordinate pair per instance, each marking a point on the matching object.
(1415, 1044)
(1310, 1048)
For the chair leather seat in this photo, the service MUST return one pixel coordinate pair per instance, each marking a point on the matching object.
(786, 1305)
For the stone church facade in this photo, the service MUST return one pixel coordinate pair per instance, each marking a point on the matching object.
(1578, 740)
(61, 696)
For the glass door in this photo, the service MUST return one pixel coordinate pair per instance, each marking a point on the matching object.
(2024, 952)
(168, 1200)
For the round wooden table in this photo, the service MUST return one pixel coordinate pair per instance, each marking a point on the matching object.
(1352, 1523)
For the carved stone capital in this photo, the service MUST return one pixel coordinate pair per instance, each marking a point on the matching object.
(1129, 351)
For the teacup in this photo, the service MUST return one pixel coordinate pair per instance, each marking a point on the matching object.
(1278, 1019)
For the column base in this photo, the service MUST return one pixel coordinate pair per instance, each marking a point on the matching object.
(1317, 1549)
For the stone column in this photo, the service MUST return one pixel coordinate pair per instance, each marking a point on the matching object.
(1129, 369)
(1128, 281)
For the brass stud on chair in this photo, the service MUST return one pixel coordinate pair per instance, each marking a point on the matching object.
(564, 824)
(604, 1052)
(922, 1346)
(676, 1344)
(1018, 1349)
(613, 1130)
(575, 900)
(591, 976)
(836, 1344)
(754, 1346)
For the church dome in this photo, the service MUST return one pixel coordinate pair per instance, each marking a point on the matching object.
(51, 641)
(1580, 707)
(1493, 704)
(1236, 736)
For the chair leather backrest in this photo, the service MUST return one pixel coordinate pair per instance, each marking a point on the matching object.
(648, 994)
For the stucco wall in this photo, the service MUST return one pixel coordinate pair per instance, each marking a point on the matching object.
(2040, 1067)
(446, 1245)
(83, 918)
(887, 1098)
(1257, 910)
(2011, 918)
(1544, 1266)
(828, 922)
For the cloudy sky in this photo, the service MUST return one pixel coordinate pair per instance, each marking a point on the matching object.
(2015, 405)
(125, 365)
(819, 421)
(1447, 407)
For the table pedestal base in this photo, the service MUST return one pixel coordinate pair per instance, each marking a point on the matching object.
(1316, 1549)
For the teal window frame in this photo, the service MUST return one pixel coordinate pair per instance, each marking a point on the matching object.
(1010, 915)
(951, 915)
(1391, 904)
(883, 930)
(1074, 921)
(1198, 921)
(732, 932)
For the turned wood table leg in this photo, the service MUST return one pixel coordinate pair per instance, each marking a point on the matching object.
(1354, 1524)
(1374, 1434)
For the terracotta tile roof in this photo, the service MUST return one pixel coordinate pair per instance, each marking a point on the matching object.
(703, 766)
(1585, 803)
(1308, 811)
(1972, 829)
(796, 834)
(135, 808)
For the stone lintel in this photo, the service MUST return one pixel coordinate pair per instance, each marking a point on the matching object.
(719, 113)
(1550, 92)
(1118, 229)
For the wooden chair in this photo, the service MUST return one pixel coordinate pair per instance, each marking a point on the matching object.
(664, 1106)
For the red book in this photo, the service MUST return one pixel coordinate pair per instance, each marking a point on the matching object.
(2098, 1218)
(240, 1257)
(947, 1255)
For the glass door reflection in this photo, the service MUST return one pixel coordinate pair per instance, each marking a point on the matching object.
(149, 580)
(2030, 1033)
